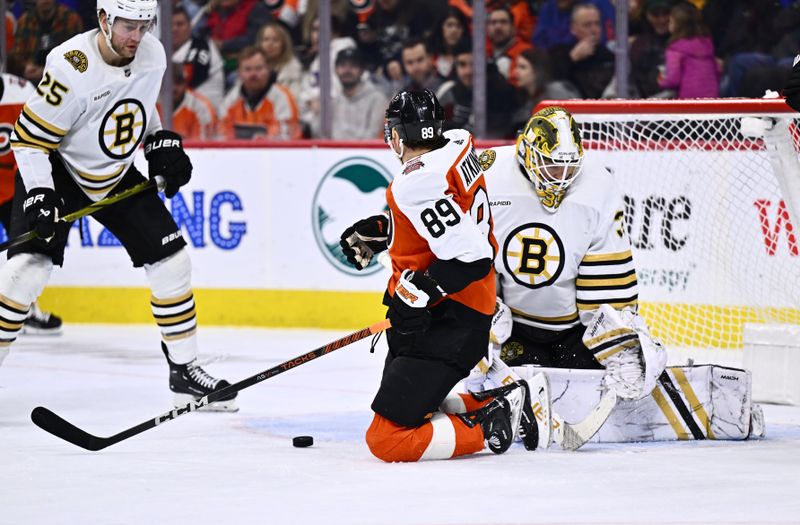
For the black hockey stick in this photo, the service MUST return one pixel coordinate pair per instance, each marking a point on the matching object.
(88, 210)
(49, 421)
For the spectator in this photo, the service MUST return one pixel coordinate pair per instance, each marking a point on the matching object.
(308, 100)
(260, 108)
(533, 77)
(34, 67)
(691, 68)
(359, 109)
(448, 34)
(648, 48)
(193, 117)
(456, 96)
(233, 25)
(555, 20)
(587, 64)
(199, 58)
(504, 46)
(277, 45)
(418, 66)
(45, 25)
(393, 22)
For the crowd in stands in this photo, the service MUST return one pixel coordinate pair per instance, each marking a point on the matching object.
(248, 69)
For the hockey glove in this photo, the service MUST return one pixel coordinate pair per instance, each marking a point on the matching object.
(364, 239)
(792, 89)
(502, 323)
(41, 212)
(408, 310)
(165, 156)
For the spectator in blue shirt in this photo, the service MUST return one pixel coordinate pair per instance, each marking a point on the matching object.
(553, 25)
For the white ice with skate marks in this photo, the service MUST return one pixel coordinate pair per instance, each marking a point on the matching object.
(242, 468)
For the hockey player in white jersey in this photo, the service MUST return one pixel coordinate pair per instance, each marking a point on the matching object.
(75, 143)
(567, 288)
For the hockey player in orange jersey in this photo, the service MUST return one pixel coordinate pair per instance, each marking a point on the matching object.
(441, 295)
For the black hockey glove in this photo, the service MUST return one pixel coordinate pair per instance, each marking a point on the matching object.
(792, 89)
(41, 212)
(408, 310)
(364, 239)
(165, 157)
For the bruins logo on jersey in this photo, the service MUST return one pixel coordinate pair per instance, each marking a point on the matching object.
(123, 128)
(533, 255)
(77, 59)
(487, 159)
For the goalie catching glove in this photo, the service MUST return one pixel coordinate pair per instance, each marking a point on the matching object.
(622, 343)
(165, 157)
(364, 239)
(41, 212)
(408, 310)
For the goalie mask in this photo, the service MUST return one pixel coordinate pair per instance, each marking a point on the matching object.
(549, 151)
(127, 16)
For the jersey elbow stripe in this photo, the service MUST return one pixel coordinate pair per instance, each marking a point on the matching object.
(606, 282)
(23, 135)
(19, 144)
(42, 124)
(615, 302)
(607, 258)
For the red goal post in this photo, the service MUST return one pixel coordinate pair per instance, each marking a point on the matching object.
(712, 191)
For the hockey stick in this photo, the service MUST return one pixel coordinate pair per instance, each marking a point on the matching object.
(156, 182)
(61, 428)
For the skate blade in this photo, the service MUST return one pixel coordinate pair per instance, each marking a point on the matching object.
(230, 405)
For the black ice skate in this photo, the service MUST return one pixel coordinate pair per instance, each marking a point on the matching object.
(501, 418)
(528, 430)
(41, 323)
(190, 382)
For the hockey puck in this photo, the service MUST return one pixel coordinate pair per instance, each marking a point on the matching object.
(302, 441)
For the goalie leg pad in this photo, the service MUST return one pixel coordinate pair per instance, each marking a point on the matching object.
(691, 402)
(173, 305)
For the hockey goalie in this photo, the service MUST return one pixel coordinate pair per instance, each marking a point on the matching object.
(567, 301)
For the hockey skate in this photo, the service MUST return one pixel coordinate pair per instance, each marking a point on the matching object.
(500, 418)
(190, 382)
(41, 323)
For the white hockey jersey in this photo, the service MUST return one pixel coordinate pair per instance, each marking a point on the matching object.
(439, 210)
(555, 269)
(92, 114)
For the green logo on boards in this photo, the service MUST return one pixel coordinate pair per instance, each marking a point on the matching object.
(353, 189)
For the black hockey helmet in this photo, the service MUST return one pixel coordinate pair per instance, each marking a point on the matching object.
(417, 115)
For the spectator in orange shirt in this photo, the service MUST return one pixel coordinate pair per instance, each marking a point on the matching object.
(261, 108)
(505, 45)
(193, 115)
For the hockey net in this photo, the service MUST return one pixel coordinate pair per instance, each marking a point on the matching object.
(710, 207)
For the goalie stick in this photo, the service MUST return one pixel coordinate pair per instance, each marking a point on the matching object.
(53, 423)
(156, 182)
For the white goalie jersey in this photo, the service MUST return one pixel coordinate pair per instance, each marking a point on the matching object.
(574, 259)
(92, 114)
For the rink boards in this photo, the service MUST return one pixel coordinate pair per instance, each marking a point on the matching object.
(262, 226)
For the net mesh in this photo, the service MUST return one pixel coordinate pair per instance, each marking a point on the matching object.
(707, 213)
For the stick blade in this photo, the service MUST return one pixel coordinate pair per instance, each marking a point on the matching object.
(51, 422)
(575, 436)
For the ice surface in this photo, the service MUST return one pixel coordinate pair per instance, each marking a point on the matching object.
(241, 468)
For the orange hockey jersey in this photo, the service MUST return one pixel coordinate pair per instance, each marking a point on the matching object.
(274, 117)
(195, 117)
(439, 209)
(14, 91)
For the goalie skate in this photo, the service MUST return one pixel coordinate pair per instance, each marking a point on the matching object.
(190, 382)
